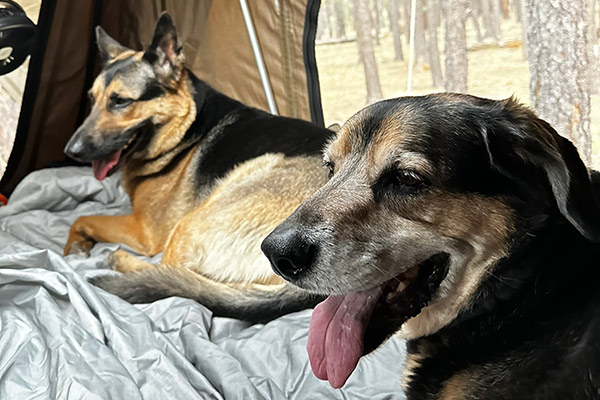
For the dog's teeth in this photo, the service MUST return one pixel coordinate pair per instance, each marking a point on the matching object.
(390, 296)
(401, 286)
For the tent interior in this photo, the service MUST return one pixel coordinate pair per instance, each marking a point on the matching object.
(64, 62)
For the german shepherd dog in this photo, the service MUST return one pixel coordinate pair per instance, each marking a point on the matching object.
(208, 179)
(469, 227)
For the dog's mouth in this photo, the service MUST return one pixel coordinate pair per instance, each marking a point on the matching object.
(345, 327)
(109, 165)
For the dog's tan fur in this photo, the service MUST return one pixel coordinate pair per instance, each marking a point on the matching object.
(167, 216)
(213, 230)
(410, 365)
(457, 387)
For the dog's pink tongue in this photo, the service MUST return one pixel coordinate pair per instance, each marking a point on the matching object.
(101, 167)
(335, 335)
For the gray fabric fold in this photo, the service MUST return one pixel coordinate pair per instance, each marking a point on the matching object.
(63, 338)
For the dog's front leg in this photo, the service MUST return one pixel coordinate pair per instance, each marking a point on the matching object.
(126, 229)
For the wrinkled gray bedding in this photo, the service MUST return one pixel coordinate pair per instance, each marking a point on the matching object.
(62, 338)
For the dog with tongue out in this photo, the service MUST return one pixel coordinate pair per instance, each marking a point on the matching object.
(469, 227)
(102, 167)
(335, 338)
(345, 327)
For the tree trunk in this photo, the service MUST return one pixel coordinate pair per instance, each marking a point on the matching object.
(486, 16)
(322, 24)
(496, 15)
(364, 40)
(376, 20)
(592, 41)
(473, 12)
(374, 34)
(455, 12)
(433, 21)
(491, 20)
(330, 19)
(406, 16)
(559, 67)
(420, 41)
(524, 26)
(393, 12)
(516, 5)
(340, 18)
(505, 9)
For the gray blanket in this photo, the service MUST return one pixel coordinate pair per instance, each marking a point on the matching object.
(63, 338)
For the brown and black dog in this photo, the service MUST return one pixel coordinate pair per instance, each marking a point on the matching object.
(208, 179)
(469, 227)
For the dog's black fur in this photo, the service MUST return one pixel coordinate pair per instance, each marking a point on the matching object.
(531, 330)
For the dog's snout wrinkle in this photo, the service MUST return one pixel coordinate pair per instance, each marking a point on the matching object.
(289, 252)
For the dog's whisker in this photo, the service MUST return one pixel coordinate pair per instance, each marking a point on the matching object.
(500, 279)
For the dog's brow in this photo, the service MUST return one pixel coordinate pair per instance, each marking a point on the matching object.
(116, 66)
(97, 88)
(414, 161)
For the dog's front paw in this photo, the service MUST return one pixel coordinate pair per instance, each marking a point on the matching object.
(81, 238)
(125, 262)
(81, 248)
(117, 260)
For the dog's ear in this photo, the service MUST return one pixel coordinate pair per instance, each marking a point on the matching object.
(534, 142)
(109, 48)
(165, 53)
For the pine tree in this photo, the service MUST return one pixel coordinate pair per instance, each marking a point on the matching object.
(362, 23)
(559, 67)
(455, 13)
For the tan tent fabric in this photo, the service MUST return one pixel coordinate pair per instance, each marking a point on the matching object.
(217, 47)
(215, 42)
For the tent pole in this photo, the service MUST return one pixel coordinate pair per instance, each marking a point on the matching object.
(262, 70)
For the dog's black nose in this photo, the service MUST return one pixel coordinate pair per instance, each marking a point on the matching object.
(75, 149)
(289, 252)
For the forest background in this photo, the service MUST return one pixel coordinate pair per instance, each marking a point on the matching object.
(543, 52)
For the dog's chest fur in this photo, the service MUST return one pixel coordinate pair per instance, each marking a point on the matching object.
(540, 336)
(551, 369)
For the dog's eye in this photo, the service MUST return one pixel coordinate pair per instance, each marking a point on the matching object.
(330, 166)
(398, 182)
(406, 177)
(115, 101)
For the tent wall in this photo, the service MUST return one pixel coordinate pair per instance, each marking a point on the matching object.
(217, 50)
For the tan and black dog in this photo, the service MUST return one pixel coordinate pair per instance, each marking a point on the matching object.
(469, 227)
(208, 179)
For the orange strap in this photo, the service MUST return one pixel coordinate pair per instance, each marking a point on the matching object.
(3, 200)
